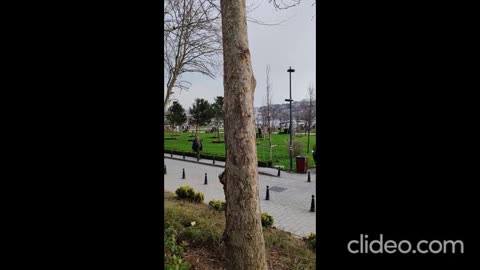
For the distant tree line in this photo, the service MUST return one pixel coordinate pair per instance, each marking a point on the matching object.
(201, 113)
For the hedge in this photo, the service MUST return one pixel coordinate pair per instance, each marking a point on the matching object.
(261, 163)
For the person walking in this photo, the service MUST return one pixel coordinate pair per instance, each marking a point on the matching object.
(197, 147)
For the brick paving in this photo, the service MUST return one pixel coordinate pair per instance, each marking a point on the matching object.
(290, 208)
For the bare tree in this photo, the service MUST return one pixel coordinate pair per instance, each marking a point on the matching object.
(308, 113)
(275, 113)
(269, 109)
(284, 4)
(192, 42)
(280, 4)
(245, 245)
(283, 114)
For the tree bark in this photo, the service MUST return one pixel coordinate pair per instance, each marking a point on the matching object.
(170, 85)
(245, 245)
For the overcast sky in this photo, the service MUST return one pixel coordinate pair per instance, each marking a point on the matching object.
(290, 44)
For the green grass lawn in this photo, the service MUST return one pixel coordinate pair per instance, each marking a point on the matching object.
(280, 154)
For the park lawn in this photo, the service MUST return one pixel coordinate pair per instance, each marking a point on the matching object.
(280, 153)
(205, 249)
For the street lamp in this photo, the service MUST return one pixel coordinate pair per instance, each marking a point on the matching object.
(290, 70)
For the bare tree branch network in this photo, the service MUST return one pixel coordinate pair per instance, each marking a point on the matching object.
(307, 113)
(269, 109)
(192, 42)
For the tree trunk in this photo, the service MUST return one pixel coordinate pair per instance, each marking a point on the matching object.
(165, 102)
(170, 85)
(245, 246)
(308, 141)
(270, 142)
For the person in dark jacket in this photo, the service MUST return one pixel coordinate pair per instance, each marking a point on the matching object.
(197, 146)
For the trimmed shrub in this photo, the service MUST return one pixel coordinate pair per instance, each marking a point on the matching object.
(311, 240)
(267, 220)
(198, 197)
(261, 163)
(217, 205)
(185, 192)
(267, 164)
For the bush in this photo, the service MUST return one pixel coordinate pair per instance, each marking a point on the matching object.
(173, 252)
(311, 240)
(267, 164)
(297, 148)
(198, 197)
(185, 192)
(217, 205)
(267, 220)
(217, 158)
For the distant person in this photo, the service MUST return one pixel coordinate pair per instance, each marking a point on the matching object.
(197, 146)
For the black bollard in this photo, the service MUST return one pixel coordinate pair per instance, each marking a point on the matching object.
(164, 169)
(268, 194)
(183, 155)
(312, 207)
(206, 181)
(183, 173)
(309, 177)
(278, 174)
(213, 159)
(171, 153)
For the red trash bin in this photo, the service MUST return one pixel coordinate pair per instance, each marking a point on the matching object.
(301, 164)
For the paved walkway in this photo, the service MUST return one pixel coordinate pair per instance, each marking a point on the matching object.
(290, 194)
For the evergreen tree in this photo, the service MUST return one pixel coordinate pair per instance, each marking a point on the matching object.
(201, 113)
(176, 114)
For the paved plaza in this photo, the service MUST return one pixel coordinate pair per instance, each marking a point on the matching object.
(290, 194)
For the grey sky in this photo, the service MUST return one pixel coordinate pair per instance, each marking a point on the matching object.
(290, 44)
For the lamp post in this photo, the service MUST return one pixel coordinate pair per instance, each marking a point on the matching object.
(290, 70)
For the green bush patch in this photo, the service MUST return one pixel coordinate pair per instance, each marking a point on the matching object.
(187, 193)
(267, 220)
(311, 240)
(217, 205)
(172, 256)
(198, 197)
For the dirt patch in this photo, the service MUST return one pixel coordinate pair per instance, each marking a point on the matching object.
(201, 258)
